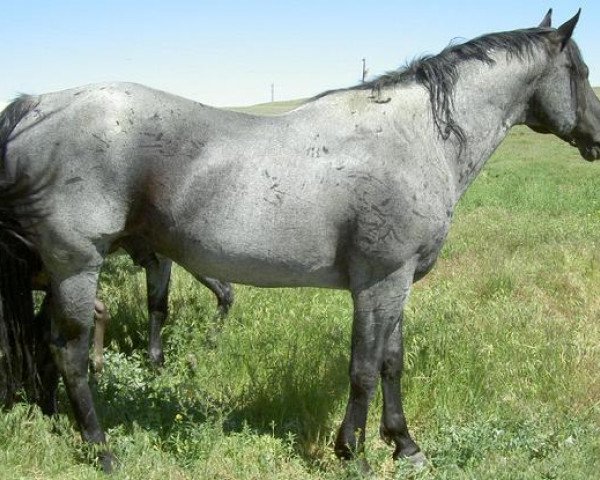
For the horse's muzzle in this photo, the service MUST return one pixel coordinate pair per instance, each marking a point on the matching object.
(588, 147)
(590, 151)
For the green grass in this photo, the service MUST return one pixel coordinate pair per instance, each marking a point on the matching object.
(501, 378)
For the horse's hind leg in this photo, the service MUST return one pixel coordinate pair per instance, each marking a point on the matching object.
(72, 301)
(224, 293)
(222, 290)
(158, 276)
(377, 315)
(44, 361)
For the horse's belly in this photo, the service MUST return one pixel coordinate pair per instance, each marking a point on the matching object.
(254, 250)
(265, 226)
(265, 266)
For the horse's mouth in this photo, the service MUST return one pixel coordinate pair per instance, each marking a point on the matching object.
(590, 151)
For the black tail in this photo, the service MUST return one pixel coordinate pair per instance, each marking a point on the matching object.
(19, 333)
(19, 197)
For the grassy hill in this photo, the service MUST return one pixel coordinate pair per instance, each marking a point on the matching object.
(271, 108)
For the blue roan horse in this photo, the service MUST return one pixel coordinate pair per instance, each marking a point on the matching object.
(353, 190)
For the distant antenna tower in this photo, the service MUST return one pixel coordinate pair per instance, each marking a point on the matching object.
(365, 71)
(272, 92)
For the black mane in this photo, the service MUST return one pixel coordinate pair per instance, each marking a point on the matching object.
(439, 73)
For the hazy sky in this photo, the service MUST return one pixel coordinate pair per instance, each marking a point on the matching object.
(229, 52)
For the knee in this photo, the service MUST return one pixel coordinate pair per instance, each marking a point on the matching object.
(395, 422)
(363, 380)
(391, 368)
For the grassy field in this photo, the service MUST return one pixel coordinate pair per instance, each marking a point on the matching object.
(502, 373)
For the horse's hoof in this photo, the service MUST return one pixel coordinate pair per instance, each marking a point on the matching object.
(418, 460)
(361, 467)
(157, 359)
(365, 469)
(108, 462)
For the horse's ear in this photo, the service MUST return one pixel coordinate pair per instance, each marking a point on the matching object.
(546, 21)
(565, 31)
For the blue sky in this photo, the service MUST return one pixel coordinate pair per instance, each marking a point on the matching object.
(229, 52)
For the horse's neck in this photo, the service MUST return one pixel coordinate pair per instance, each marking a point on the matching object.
(488, 101)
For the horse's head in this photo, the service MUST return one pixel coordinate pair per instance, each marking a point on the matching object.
(563, 102)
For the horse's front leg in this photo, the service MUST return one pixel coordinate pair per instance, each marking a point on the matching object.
(393, 422)
(72, 311)
(378, 305)
(158, 277)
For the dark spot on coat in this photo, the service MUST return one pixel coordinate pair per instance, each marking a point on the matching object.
(325, 150)
(104, 142)
(73, 180)
(198, 144)
(314, 152)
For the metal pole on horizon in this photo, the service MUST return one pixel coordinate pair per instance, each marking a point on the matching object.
(365, 71)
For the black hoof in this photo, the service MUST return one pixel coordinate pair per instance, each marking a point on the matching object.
(343, 452)
(157, 359)
(364, 469)
(417, 459)
(107, 462)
